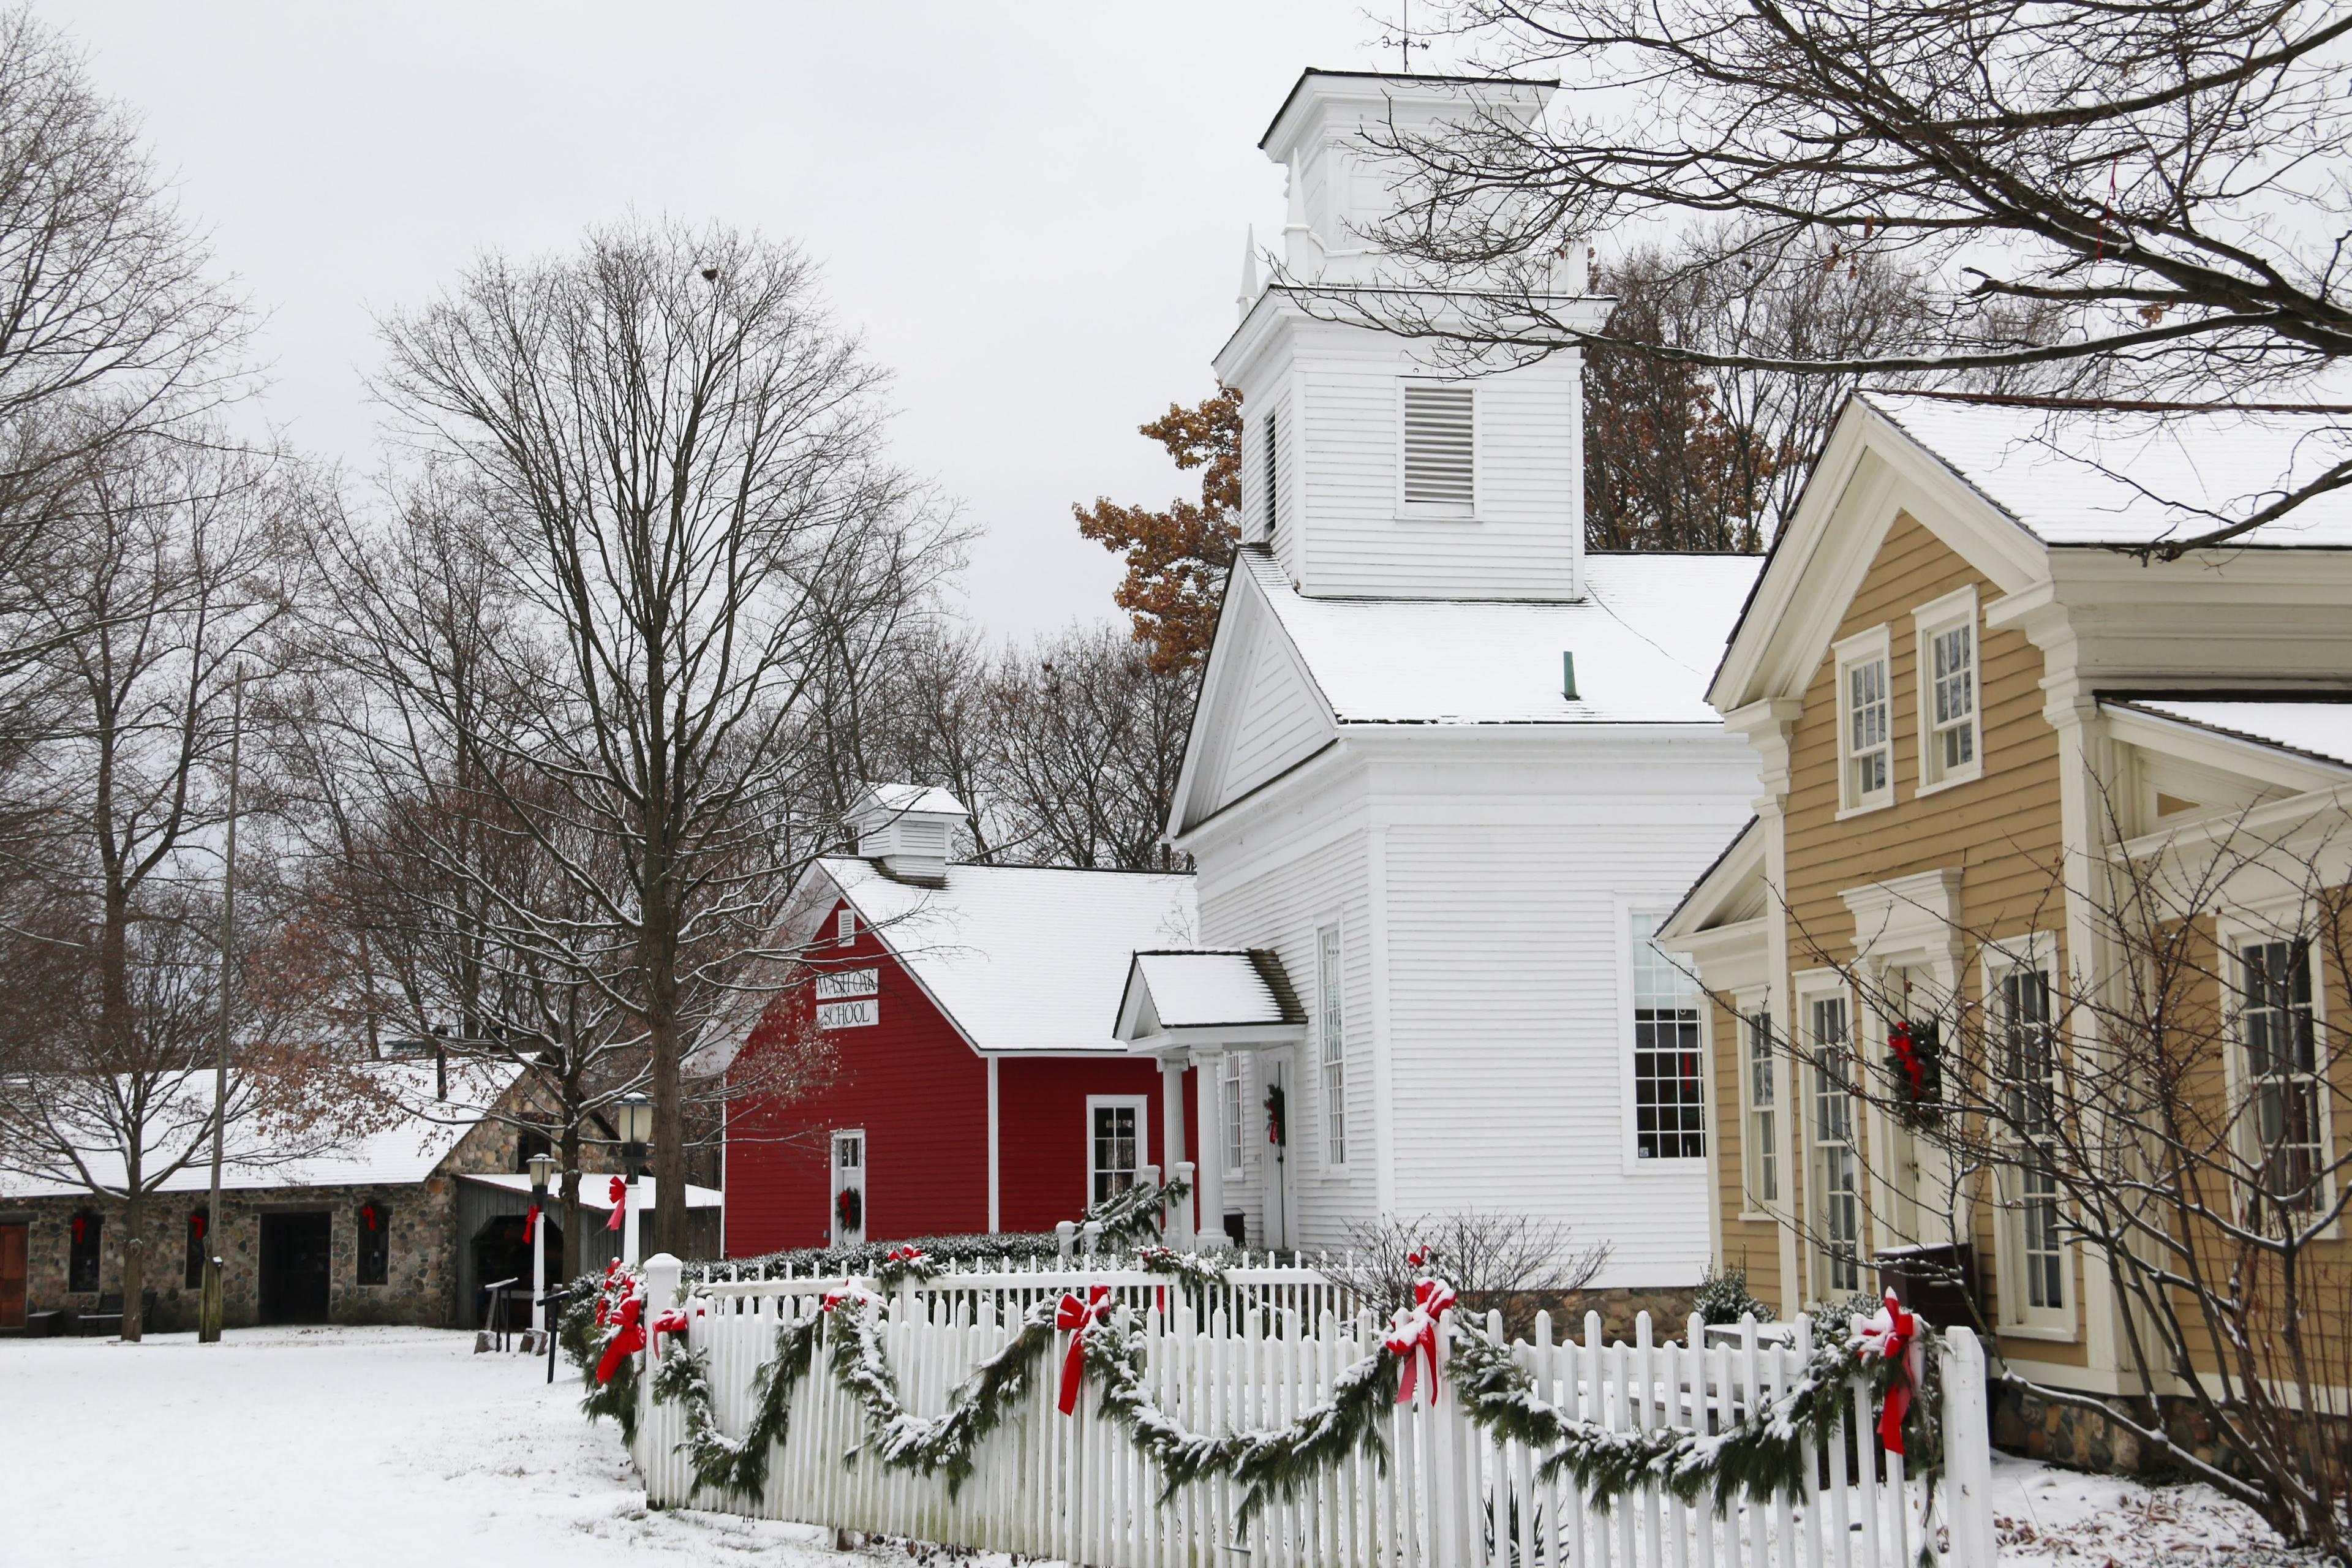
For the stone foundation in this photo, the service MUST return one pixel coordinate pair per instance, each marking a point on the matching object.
(2039, 1429)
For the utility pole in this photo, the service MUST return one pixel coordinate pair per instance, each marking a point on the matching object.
(209, 1312)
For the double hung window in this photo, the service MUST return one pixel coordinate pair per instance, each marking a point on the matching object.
(1949, 740)
(1865, 722)
(1114, 1152)
(1763, 1112)
(2281, 1038)
(1331, 1027)
(1229, 1106)
(1669, 1109)
(1836, 1162)
(2028, 1068)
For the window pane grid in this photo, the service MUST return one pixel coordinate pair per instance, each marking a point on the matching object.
(1335, 1046)
(1867, 734)
(1836, 1171)
(1230, 1090)
(1115, 1162)
(1953, 679)
(2282, 1059)
(1669, 1109)
(1763, 1122)
(2029, 1092)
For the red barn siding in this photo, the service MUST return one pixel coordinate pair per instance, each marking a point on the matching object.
(921, 1095)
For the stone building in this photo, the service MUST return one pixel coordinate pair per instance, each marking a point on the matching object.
(405, 1224)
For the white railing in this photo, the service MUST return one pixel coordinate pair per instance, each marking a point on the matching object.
(1075, 1488)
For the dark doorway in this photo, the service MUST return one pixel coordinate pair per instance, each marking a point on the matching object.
(12, 1276)
(501, 1253)
(296, 1261)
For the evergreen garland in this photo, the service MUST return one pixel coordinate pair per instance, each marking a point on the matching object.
(1265, 1461)
(902, 1263)
(1196, 1275)
(583, 1329)
(1770, 1446)
(975, 1407)
(1131, 1217)
(738, 1464)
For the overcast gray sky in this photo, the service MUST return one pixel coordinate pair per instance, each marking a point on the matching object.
(1034, 212)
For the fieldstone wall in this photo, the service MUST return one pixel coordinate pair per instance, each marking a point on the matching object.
(2025, 1423)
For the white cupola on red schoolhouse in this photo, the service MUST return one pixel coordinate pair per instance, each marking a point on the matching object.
(1372, 466)
(908, 829)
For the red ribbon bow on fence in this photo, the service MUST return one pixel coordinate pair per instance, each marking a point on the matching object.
(1074, 1317)
(671, 1320)
(627, 1340)
(905, 1254)
(1893, 1335)
(619, 1194)
(1414, 1328)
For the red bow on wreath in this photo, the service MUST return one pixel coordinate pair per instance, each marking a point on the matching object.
(618, 1195)
(1074, 1317)
(905, 1254)
(1414, 1328)
(196, 1225)
(1906, 1053)
(367, 1214)
(1893, 1335)
(627, 1340)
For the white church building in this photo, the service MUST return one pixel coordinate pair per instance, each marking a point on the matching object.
(1448, 771)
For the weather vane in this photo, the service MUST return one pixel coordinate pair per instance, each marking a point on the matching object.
(1405, 45)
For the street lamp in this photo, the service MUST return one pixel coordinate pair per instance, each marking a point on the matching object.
(542, 1168)
(636, 1119)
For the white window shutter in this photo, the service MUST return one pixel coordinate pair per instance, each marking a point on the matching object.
(1438, 446)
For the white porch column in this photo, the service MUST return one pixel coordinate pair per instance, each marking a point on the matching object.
(1172, 1115)
(1209, 1164)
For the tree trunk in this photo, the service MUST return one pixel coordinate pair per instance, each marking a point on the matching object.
(571, 1238)
(134, 1261)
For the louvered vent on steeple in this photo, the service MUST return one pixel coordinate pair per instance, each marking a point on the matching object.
(1439, 448)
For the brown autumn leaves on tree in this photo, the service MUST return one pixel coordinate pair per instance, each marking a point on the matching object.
(1177, 558)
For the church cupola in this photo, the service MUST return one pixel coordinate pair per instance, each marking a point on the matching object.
(1372, 466)
(908, 829)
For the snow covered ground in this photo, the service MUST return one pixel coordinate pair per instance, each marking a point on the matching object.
(400, 1448)
(362, 1447)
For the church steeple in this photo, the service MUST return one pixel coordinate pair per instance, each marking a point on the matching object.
(1369, 468)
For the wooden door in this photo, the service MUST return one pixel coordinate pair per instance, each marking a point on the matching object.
(13, 1269)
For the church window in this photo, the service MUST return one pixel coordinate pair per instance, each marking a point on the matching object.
(82, 1252)
(1440, 448)
(1669, 1111)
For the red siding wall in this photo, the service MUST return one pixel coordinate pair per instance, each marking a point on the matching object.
(921, 1095)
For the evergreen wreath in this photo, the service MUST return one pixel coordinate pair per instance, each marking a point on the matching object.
(1130, 1218)
(738, 1464)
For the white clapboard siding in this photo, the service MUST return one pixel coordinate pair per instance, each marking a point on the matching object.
(1077, 1490)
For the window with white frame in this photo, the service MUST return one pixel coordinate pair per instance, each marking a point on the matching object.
(1865, 722)
(2278, 1034)
(1229, 1105)
(1669, 1109)
(1115, 1144)
(2026, 1052)
(1440, 449)
(1331, 1028)
(1763, 1152)
(1949, 739)
(1837, 1161)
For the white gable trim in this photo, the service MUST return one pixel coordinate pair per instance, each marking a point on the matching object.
(1249, 634)
(1871, 470)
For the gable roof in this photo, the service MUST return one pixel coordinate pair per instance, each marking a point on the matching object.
(1646, 635)
(2083, 473)
(1021, 958)
(410, 1148)
(2317, 731)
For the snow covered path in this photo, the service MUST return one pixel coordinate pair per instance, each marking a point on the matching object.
(362, 1448)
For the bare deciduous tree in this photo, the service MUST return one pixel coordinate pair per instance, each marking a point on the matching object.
(679, 459)
(1511, 1263)
(2157, 190)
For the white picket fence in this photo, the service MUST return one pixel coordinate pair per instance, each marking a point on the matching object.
(1074, 1489)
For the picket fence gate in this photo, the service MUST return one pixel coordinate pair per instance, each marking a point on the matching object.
(1074, 1489)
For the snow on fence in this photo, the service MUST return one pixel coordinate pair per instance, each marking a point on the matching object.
(1450, 1496)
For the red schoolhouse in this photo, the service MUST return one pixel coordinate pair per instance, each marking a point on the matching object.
(978, 1086)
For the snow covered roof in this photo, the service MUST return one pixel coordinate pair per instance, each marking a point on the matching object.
(2321, 730)
(1206, 987)
(595, 1190)
(2122, 475)
(418, 1138)
(1645, 638)
(1024, 959)
(913, 797)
